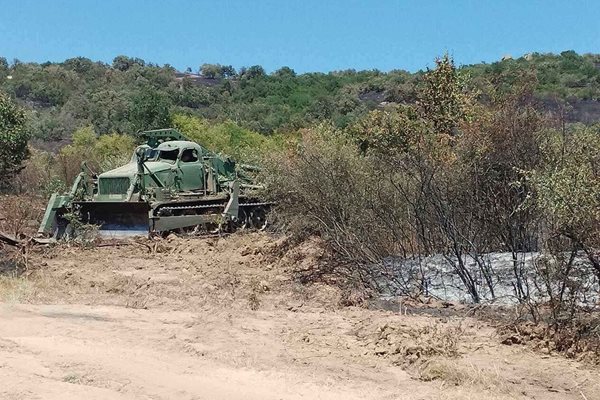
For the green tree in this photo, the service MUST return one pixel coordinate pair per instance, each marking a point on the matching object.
(228, 71)
(81, 65)
(123, 63)
(214, 71)
(226, 137)
(101, 153)
(3, 67)
(253, 72)
(149, 109)
(13, 138)
(211, 71)
(285, 72)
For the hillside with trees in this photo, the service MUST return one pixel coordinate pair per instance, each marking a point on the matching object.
(131, 94)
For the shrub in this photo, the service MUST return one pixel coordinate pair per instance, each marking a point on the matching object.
(100, 153)
(13, 138)
(227, 137)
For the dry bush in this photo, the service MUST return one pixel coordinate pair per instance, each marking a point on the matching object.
(14, 288)
(563, 315)
(20, 215)
(411, 182)
(442, 177)
(579, 339)
(326, 188)
(45, 173)
(38, 176)
(11, 261)
(257, 289)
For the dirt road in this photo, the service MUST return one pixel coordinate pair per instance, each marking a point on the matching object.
(224, 319)
(67, 351)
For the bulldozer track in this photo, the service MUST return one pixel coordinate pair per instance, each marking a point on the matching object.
(201, 206)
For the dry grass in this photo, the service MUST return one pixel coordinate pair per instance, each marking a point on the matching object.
(257, 288)
(78, 379)
(455, 374)
(14, 289)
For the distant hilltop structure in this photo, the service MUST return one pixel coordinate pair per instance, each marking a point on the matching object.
(526, 56)
(196, 79)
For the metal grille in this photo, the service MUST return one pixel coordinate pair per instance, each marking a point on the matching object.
(113, 185)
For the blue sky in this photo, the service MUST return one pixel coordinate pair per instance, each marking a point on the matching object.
(307, 35)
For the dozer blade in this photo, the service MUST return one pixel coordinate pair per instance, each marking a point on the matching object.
(116, 219)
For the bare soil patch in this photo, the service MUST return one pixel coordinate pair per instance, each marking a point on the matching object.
(228, 318)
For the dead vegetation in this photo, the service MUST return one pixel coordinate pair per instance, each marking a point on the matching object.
(405, 346)
(452, 373)
(579, 340)
(455, 179)
(19, 215)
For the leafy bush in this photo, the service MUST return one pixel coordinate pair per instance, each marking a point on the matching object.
(101, 153)
(13, 138)
(567, 187)
(226, 137)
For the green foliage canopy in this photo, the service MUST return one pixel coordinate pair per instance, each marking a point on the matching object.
(13, 137)
(226, 137)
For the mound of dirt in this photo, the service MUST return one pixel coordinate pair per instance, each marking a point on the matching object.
(240, 271)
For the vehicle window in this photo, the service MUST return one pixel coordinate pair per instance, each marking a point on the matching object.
(151, 154)
(168, 155)
(189, 155)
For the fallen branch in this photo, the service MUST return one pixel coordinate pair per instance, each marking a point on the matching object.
(10, 240)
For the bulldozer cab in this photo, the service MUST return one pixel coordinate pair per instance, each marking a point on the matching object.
(187, 157)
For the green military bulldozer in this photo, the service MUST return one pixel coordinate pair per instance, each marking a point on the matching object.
(170, 184)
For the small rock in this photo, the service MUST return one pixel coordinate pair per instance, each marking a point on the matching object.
(511, 339)
(380, 350)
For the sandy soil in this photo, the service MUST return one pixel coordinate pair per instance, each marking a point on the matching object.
(225, 319)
